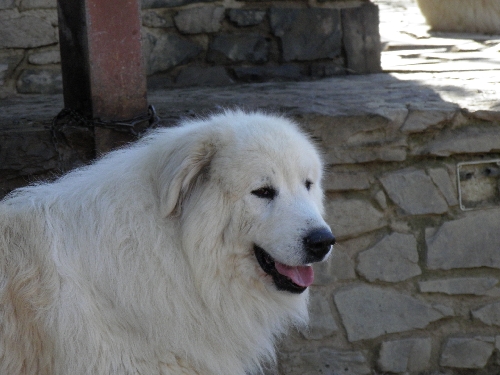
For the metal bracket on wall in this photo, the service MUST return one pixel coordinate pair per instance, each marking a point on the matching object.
(478, 184)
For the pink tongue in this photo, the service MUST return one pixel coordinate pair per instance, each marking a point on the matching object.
(300, 275)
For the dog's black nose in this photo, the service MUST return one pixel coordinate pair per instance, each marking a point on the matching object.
(317, 244)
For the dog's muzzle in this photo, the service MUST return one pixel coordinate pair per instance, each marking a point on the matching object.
(296, 279)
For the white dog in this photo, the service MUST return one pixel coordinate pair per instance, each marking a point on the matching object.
(477, 16)
(186, 253)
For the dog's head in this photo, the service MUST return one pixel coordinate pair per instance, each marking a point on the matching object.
(249, 186)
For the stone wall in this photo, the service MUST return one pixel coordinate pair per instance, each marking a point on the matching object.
(413, 285)
(205, 42)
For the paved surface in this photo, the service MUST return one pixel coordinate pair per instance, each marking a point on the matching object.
(409, 45)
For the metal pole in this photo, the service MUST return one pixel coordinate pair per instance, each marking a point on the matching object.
(102, 64)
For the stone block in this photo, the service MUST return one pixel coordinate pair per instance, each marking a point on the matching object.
(469, 242)
(339, 266)
(160, 81)
(40, 81)
(149, 4)
(465, 140)
(26, 32)
(11, 60)
(45, 57)
(203, 19)
(459, 285)
(37, 4)
(406, 355)
(166, 50)
(7, 4)
(321, 321)
(467, 353)
(308, 33)
(328, 69)
(361, 38)
(246, 17)
(393, 259)
(3, 73)
(326, 361)
(489, 314)
(203, 76)
(157, 18)
(49, 15)
(341, 180)
(249, 47)
(286, 72)
(443, 181)
(360, 138)
(381, 199)
(419, 120)
(413, 191)
(354, 245)
(368, 312)
(352, 217)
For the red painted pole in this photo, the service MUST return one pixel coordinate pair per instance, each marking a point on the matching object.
(102, 64)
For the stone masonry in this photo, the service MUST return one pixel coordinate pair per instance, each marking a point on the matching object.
(209, 43)
(413, 285)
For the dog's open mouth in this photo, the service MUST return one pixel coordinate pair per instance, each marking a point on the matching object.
(294, 279)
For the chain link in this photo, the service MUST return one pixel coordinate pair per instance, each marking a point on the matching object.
(74, 117)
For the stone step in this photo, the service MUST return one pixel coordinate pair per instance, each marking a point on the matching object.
(359, 119)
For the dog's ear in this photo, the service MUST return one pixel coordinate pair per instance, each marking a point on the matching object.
(191, 154)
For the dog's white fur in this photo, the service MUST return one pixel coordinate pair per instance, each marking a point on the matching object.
(477, 16)
(142, 263)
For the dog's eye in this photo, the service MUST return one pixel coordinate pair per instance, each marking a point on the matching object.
(308, 184)
(265, 192)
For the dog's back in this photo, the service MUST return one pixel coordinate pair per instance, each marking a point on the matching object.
(28, 283)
